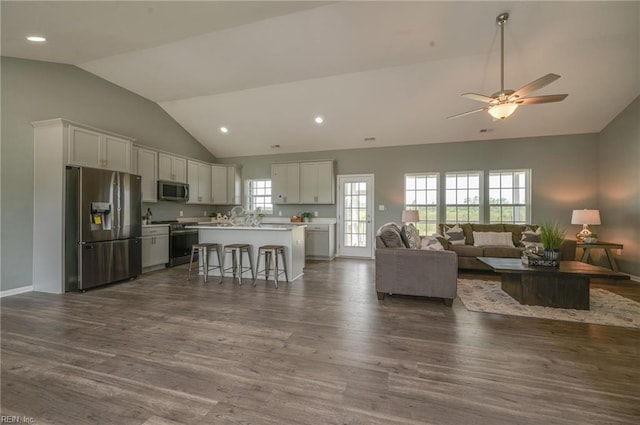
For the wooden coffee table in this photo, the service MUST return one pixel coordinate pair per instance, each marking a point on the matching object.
(566, 286)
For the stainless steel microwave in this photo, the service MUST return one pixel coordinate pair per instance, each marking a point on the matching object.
(172, 191)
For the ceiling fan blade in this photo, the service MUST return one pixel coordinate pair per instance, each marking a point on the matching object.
(534, 85)
(467, 113)
(541, 99)
(478, 97)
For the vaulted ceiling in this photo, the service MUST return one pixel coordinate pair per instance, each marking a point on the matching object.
(391, 70)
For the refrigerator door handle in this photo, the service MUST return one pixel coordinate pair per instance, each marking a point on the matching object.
(117, 204)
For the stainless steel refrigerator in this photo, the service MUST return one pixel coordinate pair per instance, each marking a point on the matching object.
(103, 226)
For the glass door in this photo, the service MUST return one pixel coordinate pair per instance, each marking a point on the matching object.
(355, 212)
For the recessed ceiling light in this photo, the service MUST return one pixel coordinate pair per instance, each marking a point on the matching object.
(36, 38)
(275, 146)
(369, 139)
(318, 119)
(224, 129)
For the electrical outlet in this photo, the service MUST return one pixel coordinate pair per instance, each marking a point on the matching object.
(315, 213)
(381, 207)
(181, 213)
(279, 213)
(204, 214)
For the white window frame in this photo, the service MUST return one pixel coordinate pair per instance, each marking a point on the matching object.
(250, 197)
(425, 225)
(526, 204)
(480, 205)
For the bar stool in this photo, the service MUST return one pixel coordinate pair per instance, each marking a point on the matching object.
(203, 250)
(236, 250)
(271, 255)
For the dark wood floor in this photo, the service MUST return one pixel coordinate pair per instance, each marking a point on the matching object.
(323, 350)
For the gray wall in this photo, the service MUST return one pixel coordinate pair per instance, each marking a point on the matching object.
(33, 91)
(563, 171)
(619, 185)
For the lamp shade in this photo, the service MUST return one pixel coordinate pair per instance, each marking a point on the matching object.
(410, 216)
(585, 217)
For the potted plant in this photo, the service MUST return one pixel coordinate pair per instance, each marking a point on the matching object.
(306, 216)
(552, 237)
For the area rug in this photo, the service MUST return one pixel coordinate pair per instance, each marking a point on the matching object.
(606, 308)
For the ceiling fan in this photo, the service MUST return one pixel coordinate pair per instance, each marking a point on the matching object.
(503, 103)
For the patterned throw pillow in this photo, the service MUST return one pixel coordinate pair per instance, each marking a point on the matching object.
(454, 235)
(530, 238)
(412, 236)
(431, 244)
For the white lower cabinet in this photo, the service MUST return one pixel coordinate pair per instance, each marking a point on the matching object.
(155, 247)
(320, 241)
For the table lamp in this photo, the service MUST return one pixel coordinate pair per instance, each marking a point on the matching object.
(585, 217)
(410, 216)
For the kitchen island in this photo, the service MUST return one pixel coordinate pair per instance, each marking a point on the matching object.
(291, 236)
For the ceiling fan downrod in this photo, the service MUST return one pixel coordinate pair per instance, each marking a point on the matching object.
(501, 20)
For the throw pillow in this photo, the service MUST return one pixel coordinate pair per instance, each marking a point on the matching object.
(531, 239)
(431, 244)
(411, 235)
(502, 239)
(454, 235)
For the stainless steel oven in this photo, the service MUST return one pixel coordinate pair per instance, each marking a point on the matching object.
(180, 242)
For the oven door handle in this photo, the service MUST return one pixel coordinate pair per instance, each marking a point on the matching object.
(184, 232)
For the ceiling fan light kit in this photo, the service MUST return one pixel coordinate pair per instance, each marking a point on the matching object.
(502, 110)
(504, 102)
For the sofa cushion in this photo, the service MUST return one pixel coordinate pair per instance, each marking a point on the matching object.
(467, 250)
(502, 252)
(493, 239)
(516, 230)
(390, 235)
(410, 236)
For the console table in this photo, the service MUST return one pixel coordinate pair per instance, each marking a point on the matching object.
(566, 286)
(607, 246)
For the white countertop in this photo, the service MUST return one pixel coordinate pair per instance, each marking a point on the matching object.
(313, 220)
(155, 225)
(272, 226)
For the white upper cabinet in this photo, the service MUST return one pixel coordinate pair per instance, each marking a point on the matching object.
(225, 185)
(317, 182)
(91, 148)
(172, 168)
(285, 183)
(219, 184)
(199, 178)
(145, 163)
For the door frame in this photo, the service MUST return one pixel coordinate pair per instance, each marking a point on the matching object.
(339, 206)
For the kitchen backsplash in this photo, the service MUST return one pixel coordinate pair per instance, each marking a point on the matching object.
(164, 210)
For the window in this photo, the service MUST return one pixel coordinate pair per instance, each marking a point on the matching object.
(259, 195)
(421, 193)
(509, 196)
(463, 197)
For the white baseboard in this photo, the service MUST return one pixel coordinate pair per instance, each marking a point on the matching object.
(16, 291)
